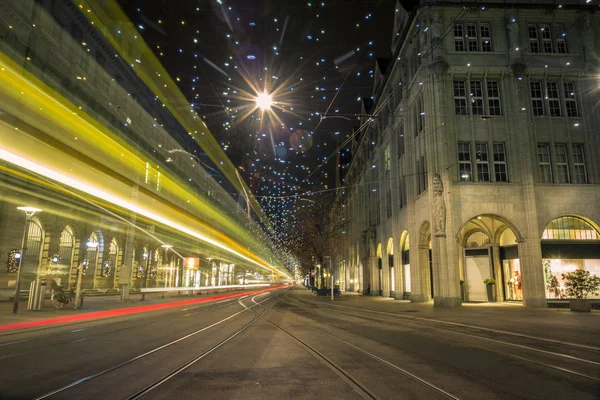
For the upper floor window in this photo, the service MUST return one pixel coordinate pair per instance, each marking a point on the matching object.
(422, 177)
(464, 161)
(483, 97)
(400, 140)
(546, 38)
(473, 36)
(579, 163)
(544, 165)
(419, 114)
(500, 170)
(552, 97)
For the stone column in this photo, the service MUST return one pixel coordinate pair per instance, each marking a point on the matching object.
(530, 252)
(532, 273)
(497, 267)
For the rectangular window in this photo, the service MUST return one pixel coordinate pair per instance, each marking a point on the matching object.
(476, 98)
(459, 38)
(561, 42)
(460, 98)
(552, 95)
(401, 188)
(486, 37)
(387, 160)
(534, 43)
(493, 92)
(400, 139)
(464, 161)
(537, 98)
(544, 166)
(500, 170)
(388, 196)
(421, 174)
(478, 37)
(562, 163)
(570, 100)
(472, 37)
(483, 164)
(579, 163)
(421, 113)
(546, 38)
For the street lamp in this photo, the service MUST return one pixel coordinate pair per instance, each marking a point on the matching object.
(29, 211)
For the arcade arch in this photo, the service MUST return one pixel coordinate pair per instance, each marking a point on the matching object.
(569, 242)
(490, 251)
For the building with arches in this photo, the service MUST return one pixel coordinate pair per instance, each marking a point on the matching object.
(484, 122)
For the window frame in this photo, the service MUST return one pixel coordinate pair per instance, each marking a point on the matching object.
(577, 164)
(483, 166)
(469, 98)
(465, 41)
(561, 163)
(550, 38)
(465, 162)
(500, 162)
(544, 164)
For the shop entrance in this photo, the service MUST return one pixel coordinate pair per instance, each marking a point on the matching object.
(490, 252)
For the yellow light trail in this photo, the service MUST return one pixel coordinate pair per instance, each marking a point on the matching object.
(132, 48)
(20, 95)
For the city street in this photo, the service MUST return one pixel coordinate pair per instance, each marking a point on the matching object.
(288, 343)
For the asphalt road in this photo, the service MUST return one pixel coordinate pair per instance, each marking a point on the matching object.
(284, 344)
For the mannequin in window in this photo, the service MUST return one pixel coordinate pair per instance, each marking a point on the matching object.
(516, 283)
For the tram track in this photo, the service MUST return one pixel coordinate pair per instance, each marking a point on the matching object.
(355, 382)
(452, 328)
(111, 370)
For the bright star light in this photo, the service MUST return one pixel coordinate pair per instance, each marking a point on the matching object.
(264, 101)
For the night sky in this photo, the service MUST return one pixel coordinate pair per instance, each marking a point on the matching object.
(313, 57)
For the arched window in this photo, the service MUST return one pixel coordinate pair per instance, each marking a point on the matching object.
(65, 249)
(33, 247)
(570, 228)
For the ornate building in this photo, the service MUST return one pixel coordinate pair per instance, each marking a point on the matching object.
(479, 158)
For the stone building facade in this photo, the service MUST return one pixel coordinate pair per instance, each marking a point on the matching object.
(479, 158)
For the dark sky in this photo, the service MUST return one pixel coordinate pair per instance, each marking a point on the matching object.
(305, 53)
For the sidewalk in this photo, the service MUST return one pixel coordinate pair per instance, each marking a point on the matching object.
(551, 323)
(103, 307)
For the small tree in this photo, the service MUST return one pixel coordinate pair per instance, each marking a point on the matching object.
(580, 283)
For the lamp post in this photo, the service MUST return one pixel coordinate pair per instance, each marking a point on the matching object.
(29, 211)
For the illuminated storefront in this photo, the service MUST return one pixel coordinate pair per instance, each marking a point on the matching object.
(568, 243)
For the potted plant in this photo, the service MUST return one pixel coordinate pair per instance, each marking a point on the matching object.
(489, 286)
(462, 290)
(579, 284)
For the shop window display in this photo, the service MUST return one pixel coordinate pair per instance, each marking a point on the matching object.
(555, 268)
(512, 279)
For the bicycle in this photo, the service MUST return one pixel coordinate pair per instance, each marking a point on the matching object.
(61, 298)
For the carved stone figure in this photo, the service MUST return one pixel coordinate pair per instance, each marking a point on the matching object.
(512, 29)
(438, 207)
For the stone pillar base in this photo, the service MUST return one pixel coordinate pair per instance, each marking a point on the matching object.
(419, 298)
(535, 303)
(447, 302)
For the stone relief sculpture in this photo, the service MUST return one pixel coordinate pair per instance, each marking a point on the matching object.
(512, 29)
(439, 207)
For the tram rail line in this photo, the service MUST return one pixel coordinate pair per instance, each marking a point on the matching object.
(157, 349)
(355, 383)
(432, 324)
